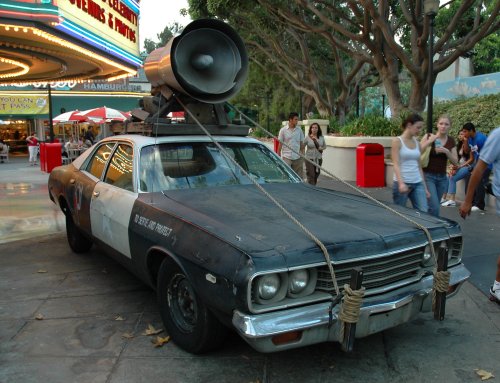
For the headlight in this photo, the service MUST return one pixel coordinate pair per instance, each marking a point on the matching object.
(268, 286)
(297, 281)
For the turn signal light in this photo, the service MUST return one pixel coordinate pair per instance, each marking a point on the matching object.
(287, 337)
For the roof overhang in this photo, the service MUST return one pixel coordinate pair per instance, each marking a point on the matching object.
(38, 43)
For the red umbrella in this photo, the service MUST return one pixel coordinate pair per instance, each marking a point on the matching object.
(73, 116)
(104, 113)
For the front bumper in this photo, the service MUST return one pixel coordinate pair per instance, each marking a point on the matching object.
(317, 324)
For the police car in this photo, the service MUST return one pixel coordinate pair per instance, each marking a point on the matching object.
(184, 214)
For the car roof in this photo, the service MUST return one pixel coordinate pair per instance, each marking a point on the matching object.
(140, 140)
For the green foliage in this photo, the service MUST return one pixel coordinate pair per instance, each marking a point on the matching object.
(371, 126)
(486, 56)
(482, 111)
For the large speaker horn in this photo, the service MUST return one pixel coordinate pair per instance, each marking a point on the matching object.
(207, 62)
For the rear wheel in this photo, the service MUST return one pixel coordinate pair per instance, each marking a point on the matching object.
(187, 319)
(77, 241)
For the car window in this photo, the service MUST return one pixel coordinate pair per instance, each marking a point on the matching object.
(172, 166)
(119, 172)
(98, 160)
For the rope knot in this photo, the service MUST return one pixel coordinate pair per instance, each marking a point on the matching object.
(350, 307)
(441, 284)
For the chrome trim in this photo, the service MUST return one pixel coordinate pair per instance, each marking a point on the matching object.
(315, 297)
(304, 318)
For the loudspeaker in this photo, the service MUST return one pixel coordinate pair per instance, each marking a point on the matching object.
(207, 61)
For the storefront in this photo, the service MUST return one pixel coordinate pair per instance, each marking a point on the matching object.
(86, 51)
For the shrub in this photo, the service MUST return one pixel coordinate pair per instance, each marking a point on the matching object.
(371, 126)
(482, 111)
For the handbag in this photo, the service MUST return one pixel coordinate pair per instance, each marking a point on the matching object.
(424, 157)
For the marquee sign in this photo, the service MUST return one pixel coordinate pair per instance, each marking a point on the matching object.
(111, 25)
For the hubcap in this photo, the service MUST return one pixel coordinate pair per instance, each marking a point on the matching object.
(182, 303)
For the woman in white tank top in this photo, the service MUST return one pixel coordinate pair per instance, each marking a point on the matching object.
(409, 182)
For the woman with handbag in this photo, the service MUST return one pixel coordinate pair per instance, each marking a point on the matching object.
(315, 145)
(409, 182)
(443, 149)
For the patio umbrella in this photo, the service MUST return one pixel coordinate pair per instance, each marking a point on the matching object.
(104, 114)
(73, 116)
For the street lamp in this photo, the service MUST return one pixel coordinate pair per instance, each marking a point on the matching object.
(431, 8)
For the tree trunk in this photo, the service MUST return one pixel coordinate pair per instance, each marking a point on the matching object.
(417, 95)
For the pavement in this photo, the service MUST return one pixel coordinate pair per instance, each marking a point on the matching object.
(82, 318)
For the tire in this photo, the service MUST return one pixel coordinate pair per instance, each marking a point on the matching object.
(77, 241)
(186, 318)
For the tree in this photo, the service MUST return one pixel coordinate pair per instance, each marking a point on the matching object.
(163, 37)
(386, 34)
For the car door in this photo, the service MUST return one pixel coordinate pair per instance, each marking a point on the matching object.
(113, 199)
(82, 184)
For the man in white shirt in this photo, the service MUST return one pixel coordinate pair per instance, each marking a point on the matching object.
(294, 138)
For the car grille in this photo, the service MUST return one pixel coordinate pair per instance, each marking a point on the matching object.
(378, 273)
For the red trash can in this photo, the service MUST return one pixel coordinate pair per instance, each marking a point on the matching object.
(43, 157)
(370, 166)
(53, 152)
(276, 145)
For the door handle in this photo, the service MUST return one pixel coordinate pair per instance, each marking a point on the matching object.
(72, 181)
(96, 194)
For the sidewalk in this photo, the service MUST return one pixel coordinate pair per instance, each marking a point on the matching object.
(81, 318)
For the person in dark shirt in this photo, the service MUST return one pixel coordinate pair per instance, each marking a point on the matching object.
(89, 135)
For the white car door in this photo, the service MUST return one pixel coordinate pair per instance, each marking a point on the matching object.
(112, 201)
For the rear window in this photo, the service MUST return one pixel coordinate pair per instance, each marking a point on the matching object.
(172, 166)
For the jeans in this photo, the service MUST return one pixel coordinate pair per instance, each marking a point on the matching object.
(480, 190)
(416, 194)
(459, 175)
(437, 184)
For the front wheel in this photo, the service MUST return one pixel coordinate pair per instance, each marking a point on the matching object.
(77, 241)
(187, 319)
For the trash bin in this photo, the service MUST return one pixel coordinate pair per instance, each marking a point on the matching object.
(43, 157)
(53, 155)
(276, 145)
(370, 167)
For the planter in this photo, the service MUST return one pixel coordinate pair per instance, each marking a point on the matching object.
(340, 155)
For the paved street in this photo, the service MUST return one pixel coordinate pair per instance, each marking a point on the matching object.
(81, 318)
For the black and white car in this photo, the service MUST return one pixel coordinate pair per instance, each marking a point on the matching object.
(188, 222)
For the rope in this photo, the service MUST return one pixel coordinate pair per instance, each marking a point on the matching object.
(279, 205)
(354, 188)
(350, 308)
(441, 284)
(423, 228)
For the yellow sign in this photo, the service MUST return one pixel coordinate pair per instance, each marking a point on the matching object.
(24, 105)
(111, 20)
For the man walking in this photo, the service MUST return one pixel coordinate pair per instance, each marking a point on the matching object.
(294, 140)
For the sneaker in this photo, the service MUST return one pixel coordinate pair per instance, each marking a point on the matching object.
(495, 293)
(474, 208)
(449, 203)
(443, 200)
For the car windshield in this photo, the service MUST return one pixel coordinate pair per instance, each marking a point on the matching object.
(172, 166)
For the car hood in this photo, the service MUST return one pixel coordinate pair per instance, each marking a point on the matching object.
(348, 225)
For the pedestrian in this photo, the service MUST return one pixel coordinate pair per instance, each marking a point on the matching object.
(475, 143)
(89, 136)
(32, 142)
(458, 172)
(488, 157)
(408, 178)
(315, 145)
(443, 149)
(293, 149)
